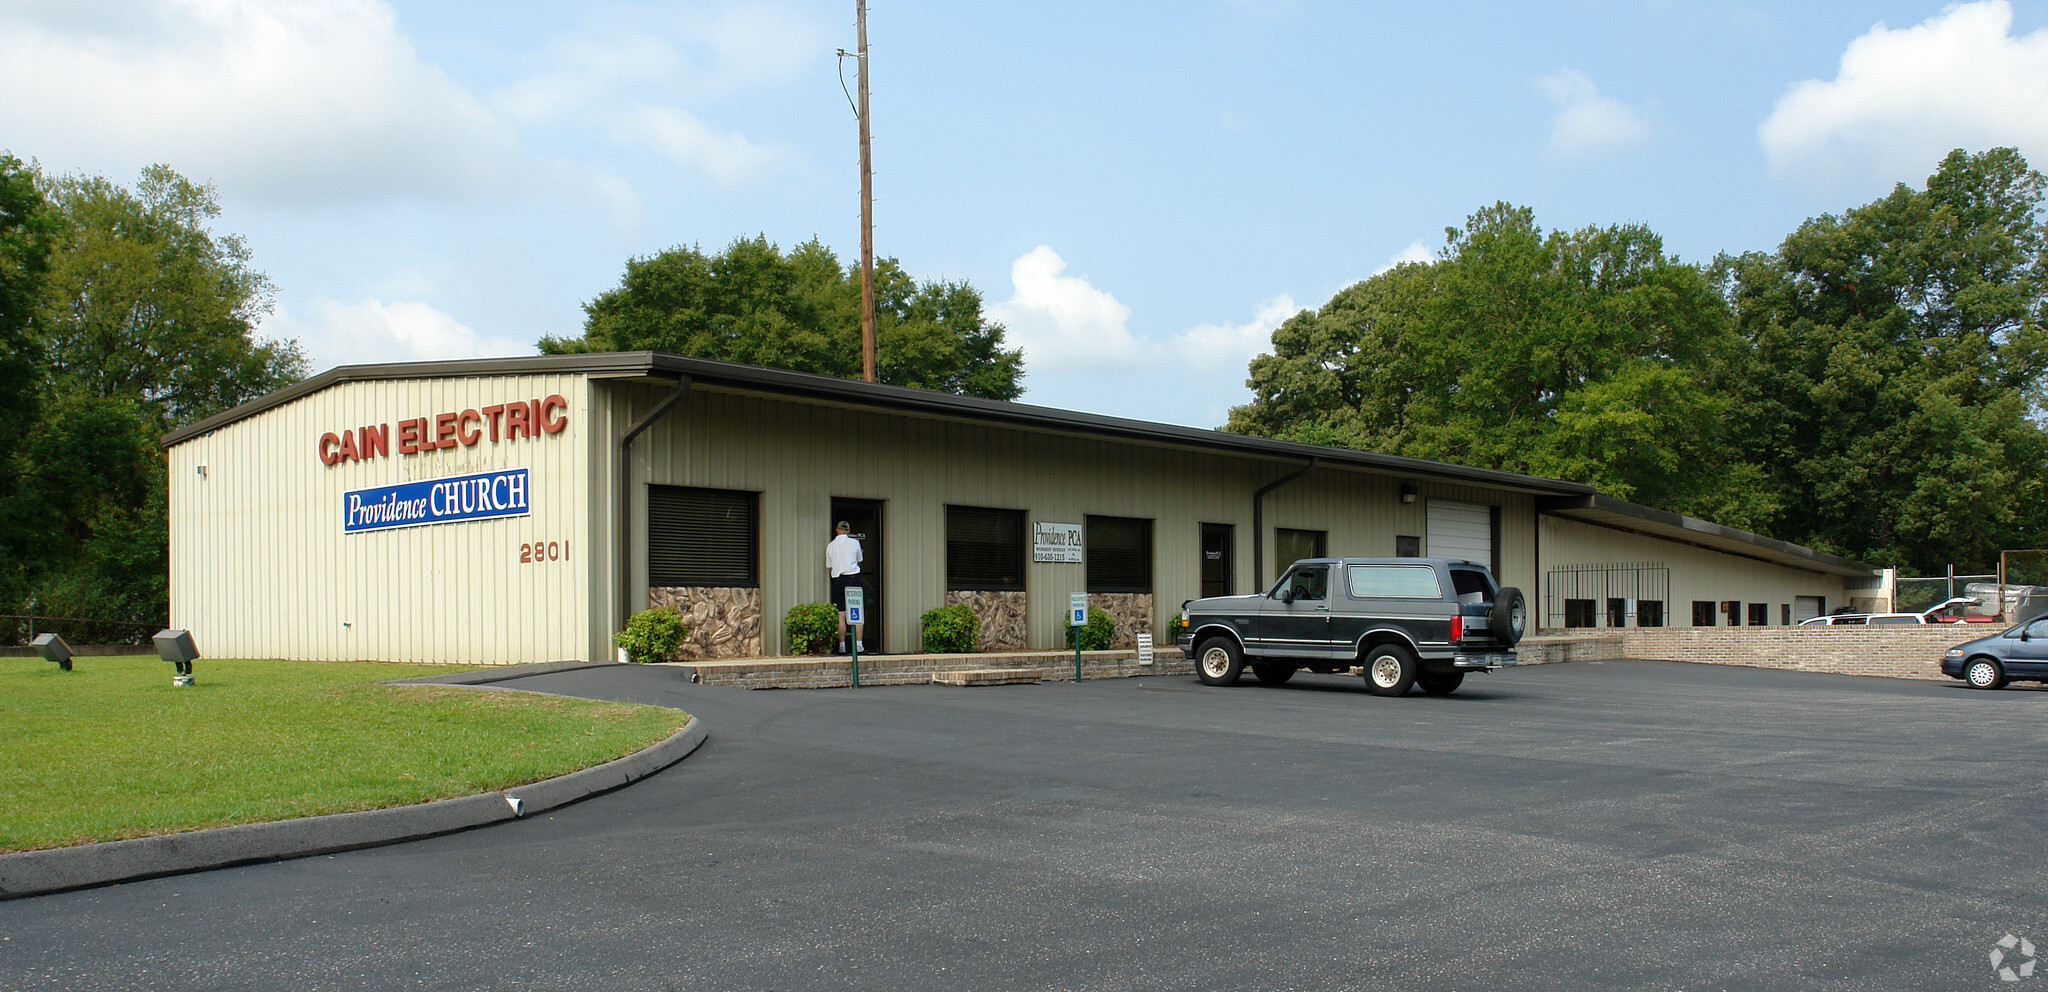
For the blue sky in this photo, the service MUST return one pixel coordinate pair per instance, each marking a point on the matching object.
(1140, 191)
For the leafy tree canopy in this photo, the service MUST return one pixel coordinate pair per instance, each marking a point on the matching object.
(1586, 355)
(754, 303)
(139, 319)
(1896, 356)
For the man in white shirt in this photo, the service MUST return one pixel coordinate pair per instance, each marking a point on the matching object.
(842, 563)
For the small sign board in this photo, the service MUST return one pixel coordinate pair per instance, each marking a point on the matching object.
(1077, 609)
(1144, 649)
(856, 605)
(1055, 542)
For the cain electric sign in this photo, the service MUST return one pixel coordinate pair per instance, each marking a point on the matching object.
(437, 501)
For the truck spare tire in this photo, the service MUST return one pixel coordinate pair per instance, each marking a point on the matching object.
(1509, 617)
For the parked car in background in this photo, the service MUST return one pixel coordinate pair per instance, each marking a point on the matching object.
(2017, 654)
(1959, 610)
(1865, 620)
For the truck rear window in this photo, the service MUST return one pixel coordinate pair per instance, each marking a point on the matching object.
(1394, 582)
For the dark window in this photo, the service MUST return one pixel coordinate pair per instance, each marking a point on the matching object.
(1617, 612)
(1649, 613)
(1471, 585)
(1703, 613)
(1407, 546)
(1785, 610)
(984, 548)
(1293, 545)
(1732, 609)
(1311, 584)
(702, 537)
(1119, 554)
(1759, 614)
(1578, 613)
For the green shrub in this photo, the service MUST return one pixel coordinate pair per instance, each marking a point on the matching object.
(1097, 634)
(811, 627)
(1174, 627)
(652, 635)
(950, 629)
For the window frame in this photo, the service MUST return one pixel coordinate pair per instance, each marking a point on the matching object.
(657, 579)
(1022, 549)
(1093, 525)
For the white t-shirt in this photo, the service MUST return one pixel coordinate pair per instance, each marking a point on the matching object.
(843, 556)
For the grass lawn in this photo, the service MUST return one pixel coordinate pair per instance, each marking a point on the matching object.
(111, 750)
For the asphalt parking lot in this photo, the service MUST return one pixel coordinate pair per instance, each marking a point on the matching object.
(1638, 825)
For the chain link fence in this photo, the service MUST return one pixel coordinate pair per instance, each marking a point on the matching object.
(21, 628)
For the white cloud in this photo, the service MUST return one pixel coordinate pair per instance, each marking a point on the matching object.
(1588, 124)
(376, 331)
(276, 99)
(1902, 99)
(1061, 322)
(1416, 251)
(1080, 353)
(726, 156)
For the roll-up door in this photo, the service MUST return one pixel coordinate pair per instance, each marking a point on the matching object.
(1808, 607)
(1461, 530)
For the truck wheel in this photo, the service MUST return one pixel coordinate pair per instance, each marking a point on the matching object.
(1983, 673)
(1441, 685)
(1218, 661)
(1273, 672)
(1508, 620)
(1389, 670)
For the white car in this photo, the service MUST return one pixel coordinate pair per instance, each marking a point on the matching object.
(1866, 620)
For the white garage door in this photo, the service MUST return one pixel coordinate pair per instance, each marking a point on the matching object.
(1461, 530)
(1807, 607)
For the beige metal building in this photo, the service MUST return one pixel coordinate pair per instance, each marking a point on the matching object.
(516, 510)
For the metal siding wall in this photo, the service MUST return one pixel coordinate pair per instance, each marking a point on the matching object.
(261, 568)
(799, 456)
(1696, 573)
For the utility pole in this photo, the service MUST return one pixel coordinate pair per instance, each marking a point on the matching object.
(867, 210)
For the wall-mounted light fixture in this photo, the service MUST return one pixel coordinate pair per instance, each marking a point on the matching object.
(1409, 492)
(200, 469)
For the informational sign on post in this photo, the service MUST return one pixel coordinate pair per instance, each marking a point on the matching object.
(856, 605)
(1077, 609)
(1144, 649)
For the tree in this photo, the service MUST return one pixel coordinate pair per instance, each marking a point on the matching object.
(1896, 356)
(1588, 355)
(757, 305)
(142, 320)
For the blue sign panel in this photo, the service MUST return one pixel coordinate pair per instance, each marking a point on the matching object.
(436, 501)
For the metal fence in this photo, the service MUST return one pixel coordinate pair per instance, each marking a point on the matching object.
(1626, 594)
(18, 629)
(1914, 595)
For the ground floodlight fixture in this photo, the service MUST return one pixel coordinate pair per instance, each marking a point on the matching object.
(53, 648)
(1409, 492)
(175, 646)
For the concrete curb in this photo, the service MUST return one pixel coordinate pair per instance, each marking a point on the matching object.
(502, 673)
(31, 873)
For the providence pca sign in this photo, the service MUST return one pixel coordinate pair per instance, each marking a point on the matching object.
(436, 501)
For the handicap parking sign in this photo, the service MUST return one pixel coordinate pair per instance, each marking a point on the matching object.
(856, 606)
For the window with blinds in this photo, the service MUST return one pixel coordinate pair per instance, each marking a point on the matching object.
(1119, 554)
(984, 548)
(702, 537)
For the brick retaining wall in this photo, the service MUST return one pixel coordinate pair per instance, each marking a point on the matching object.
(1893, 652)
